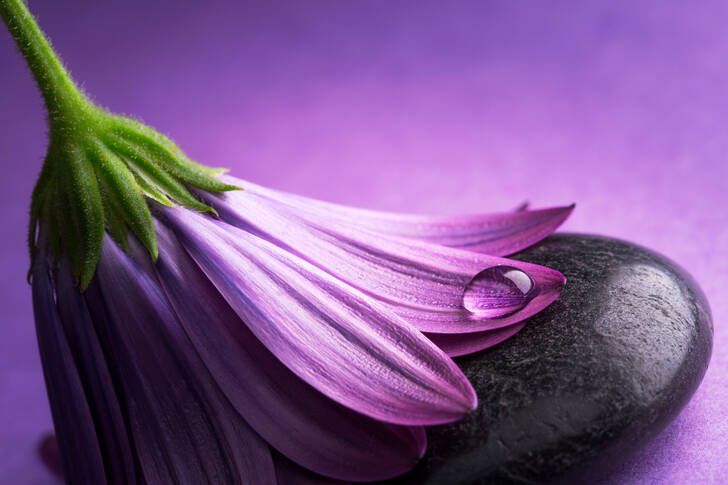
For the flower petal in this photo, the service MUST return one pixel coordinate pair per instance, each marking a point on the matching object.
(184, 429)
(423, 283)
(332, 336)
(497, 234)
(288, 473)
(79, 447)
(299, 421)
(97, 382)
(457, 344)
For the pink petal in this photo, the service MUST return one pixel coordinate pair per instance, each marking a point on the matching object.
(456, 344)
(497, 234)
(433, 287)
(293, 417)
(335, 338)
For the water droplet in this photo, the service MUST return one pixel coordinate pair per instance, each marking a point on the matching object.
(498, 291)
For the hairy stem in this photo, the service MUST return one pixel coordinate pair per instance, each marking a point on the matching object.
(62, 97)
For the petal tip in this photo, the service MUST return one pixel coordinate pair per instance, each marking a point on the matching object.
(562, 281)
(473, 404)
(468, 402)
(567, 210)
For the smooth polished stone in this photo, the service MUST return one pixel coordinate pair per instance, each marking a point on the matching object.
(588, 381)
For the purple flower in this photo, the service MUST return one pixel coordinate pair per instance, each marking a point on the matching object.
(247, 336)
(280, 339)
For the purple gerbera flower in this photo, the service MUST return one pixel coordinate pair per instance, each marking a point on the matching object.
(248, 336)
(283, 334)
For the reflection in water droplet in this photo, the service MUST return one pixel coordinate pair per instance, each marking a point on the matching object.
(498, 291)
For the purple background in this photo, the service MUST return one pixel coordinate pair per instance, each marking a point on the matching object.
(432, 107)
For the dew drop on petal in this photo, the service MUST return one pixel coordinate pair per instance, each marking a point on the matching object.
(498, 291)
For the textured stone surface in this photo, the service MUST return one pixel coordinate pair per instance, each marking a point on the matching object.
(588, 381)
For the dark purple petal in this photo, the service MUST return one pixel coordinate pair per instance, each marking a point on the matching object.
(93, 370)
(497, 234)
(79, 447)
(288, 473)
(292, 416)
(334, 337)
(184, 429)
(456, 344)
(426, 284)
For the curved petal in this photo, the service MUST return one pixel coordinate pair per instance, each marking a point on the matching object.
(335, 338)
(457, 344)
(97, 382)
(288, 473)
(293, 417)
(184, 429)
(79, 446)
(423, 283)
(497, 234)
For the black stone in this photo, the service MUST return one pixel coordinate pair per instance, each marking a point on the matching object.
(589, 380)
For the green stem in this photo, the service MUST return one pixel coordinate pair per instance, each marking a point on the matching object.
(62, 96)
(101, 169)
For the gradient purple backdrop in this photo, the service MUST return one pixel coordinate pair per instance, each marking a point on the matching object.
(411, 106)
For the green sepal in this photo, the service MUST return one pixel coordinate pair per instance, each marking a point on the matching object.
(53, 231)
(126, 193)
(114, 218)
(149, 188)
(79, 210)
(98, 177)
(36, 208)
(167, 155)
(170, 147)
(140, 161)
